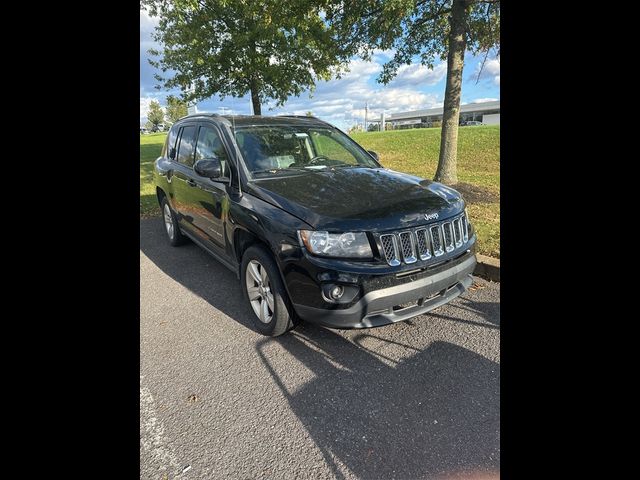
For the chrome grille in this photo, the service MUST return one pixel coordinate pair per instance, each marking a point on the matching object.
(448, 236)
(457, 231)
(436, 240)
(408, 250)
(424, 243)
(390, 248)
(465, 228)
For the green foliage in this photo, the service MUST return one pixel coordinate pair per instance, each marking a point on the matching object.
(436, 123)
(413, 28)
(229, 48)
(176, 109)
(155, 116)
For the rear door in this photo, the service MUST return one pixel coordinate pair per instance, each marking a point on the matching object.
(182, 175)
(209, 199)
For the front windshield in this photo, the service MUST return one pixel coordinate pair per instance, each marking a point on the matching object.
(287, 148)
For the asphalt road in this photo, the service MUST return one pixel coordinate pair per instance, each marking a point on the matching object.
(418, 399)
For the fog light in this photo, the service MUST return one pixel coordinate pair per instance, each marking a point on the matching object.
(336, 292)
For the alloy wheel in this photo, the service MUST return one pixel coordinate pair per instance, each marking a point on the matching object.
(259, 291)
(168, 221)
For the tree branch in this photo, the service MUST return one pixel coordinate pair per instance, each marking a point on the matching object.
(437, 14)
(484, 60)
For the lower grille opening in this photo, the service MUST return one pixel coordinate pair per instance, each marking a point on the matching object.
(406, 305)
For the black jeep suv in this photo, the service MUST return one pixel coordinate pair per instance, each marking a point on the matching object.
(314, 227)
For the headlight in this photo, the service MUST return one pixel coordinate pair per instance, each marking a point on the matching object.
(350, 244)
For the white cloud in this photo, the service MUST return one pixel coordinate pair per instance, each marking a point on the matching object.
(359, 69)
(482, 100)
(342, 102)
(384, 55)
(147, 22)
(491, 71)
(417, 74)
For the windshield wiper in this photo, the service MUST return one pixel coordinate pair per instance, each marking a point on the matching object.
(279, 169)
(347, 165)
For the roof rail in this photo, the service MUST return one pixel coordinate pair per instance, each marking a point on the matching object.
(298, 116)
(201, 114)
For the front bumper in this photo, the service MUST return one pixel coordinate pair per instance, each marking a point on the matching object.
(389, 305)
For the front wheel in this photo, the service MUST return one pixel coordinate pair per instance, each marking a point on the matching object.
(171, 227)
(265, 292)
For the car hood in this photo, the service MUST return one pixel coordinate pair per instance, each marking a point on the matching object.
(356, 199)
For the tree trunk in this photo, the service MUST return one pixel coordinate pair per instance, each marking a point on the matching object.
(255, 98)
(447, 168)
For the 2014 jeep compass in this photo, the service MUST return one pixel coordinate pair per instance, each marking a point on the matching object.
(313, 225)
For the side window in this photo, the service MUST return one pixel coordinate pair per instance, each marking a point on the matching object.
(187, 141)
(210, 145)
(170, 143)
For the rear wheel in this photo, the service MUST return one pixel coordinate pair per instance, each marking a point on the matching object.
(265, 292)
(171, 227)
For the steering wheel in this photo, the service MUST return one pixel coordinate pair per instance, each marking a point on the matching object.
(315, 159)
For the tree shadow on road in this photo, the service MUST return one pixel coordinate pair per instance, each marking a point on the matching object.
(434, 414)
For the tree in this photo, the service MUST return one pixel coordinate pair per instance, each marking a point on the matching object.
(176, 109)
(428, 29)
(309, 113)
(155, 116)
(268, 48)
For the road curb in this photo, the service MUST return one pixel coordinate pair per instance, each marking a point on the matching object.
(488, 267)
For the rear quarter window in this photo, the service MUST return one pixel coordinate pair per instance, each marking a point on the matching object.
(170, 142)
(187, 144)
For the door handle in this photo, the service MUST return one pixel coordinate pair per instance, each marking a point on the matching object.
(191, 183)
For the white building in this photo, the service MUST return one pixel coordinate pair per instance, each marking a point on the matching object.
(485, 112)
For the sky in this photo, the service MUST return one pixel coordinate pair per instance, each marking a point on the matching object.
(341, 102)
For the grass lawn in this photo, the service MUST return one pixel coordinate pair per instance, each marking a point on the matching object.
(150, 148)
(413, 151)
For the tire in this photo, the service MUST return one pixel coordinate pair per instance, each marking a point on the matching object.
(256, 262)
(174, 235)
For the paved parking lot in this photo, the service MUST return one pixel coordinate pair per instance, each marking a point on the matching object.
(418, 399)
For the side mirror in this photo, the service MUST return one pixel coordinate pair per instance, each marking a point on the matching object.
(208, 167)
(374, 155)
(172, 153)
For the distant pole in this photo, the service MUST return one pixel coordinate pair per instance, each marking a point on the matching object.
(366, 113)
(192, 107)
(382, 122)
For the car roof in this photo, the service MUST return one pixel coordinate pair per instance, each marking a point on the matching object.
(255, 120)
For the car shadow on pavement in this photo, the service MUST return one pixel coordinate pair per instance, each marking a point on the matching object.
(196, 270)
(434, 414)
